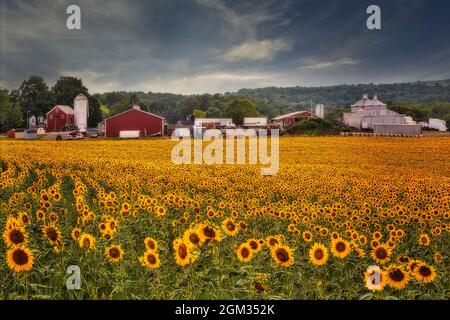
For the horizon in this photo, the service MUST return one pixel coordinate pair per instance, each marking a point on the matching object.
(214, 46)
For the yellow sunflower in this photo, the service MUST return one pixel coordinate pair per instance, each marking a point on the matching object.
(151, 244)
(20, 259)
(318, 254)
(381, 254)
(15, 236)
(424, 240)
(150, 260)
(424, 273)
(75, 233)
(114, 253)
(307, 236)
(244, 253)
(52, 233)
(192, 236)
(209, 233)
(254, 245)
(86, 241)
(397, 277)
(282, 255)
(229, 227)
(340, 248)
(183, 253)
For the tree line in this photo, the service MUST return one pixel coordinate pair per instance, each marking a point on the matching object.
(421, 100)
(35, 98)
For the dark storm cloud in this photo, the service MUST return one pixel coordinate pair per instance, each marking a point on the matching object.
(195, 46)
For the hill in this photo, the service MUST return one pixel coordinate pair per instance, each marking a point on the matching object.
(344, 95)
(421, 99)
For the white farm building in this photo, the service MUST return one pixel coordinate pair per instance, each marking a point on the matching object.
(366, 113)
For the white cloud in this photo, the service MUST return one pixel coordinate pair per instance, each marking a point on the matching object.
(315, 65)
(244, 24)
(257, 50)
(207, 82)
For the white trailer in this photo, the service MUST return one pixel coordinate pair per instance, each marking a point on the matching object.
(437, 124)
(129, 134)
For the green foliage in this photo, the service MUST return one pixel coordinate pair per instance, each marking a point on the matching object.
(33, 96)
(422, 112)
(199, 113)
(10, 113)
(344, 95)
(239, 109)
(119, 107)
(66, 89)
(95, 114)
(213, 112)
(313, 127)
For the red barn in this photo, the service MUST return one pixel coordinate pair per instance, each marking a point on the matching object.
(59, 117)
(291, 118)
(134, 120)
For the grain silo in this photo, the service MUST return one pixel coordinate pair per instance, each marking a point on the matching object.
(320, 110)
(81, 106)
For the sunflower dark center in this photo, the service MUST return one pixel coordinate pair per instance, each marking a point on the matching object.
(20, 257)
(396, 275)
(340, 246)
(17, 237)
(114, 253)
(230, 226)
(209, 232)
(52, 234)
(151, 244)
(245, 252)
(182, 251)
(273, 241)
(253, 245)
(151, 259)
(282, 255)
(318, 254)
(425, 271)
(194, 238)
(381, 253)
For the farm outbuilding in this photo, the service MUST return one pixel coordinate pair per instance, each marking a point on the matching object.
(59, 117)
(134, 119)
(291, 118)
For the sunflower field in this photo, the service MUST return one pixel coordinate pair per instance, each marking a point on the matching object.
(344, 218)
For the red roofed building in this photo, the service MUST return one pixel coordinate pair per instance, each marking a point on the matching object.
(134, 120)
(291, 118)
(59, 117)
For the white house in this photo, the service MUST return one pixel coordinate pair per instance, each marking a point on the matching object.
(366, 113)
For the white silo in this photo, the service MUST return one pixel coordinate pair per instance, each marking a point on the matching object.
(81, 106)
(320, 110)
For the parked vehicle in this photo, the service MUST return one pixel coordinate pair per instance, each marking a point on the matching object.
(92, 132)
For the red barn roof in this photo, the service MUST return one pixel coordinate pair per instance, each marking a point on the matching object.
(65, 109)
(134, 119)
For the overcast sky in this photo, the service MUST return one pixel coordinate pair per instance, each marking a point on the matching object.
(198, 46)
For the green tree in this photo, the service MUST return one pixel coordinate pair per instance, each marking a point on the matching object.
(105, 111)
(213, 112)
(95, 114)
(198, 113)
(239, 108)
(34, 97)
(10, 113)
(67, 88)
(120, 106)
